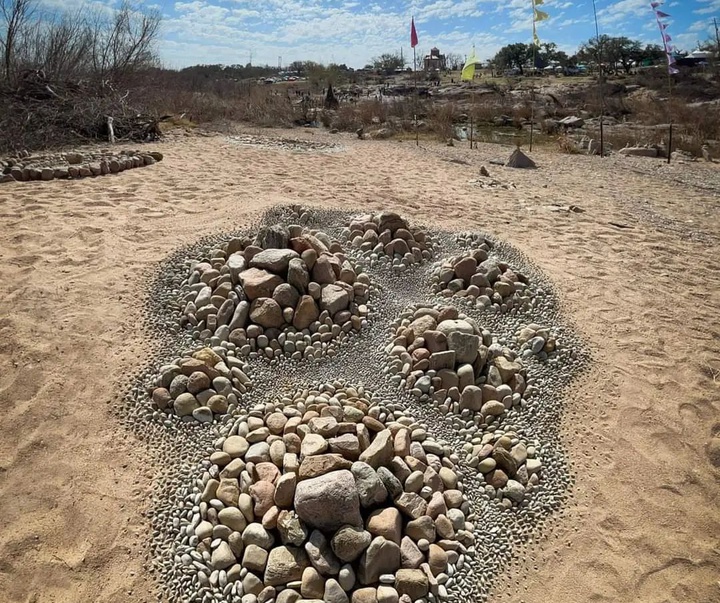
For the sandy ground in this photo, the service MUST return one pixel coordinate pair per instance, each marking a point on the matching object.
(643, 522)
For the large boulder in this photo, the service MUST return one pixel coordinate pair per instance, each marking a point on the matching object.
(275, 260)
(328, 501)
(259, 283)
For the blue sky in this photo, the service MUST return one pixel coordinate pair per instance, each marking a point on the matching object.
(353, 31)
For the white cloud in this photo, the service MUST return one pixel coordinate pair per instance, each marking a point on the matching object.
(711, 6)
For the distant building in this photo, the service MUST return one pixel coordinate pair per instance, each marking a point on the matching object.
(434, 61)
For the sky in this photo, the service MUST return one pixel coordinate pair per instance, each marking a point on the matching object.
(353, 31)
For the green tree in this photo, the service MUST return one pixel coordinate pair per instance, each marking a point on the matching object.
(513, 56)
(388, 62)
(614, 53)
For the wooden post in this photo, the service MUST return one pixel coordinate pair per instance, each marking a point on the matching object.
(111, 131)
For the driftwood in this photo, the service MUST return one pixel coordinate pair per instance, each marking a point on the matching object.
(39, 113)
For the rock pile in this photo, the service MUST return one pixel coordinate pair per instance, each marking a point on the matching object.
(74, 165)
(201, 385)
(510, 467)
(536, 340)
(442, 355)
(387, 237)
(488, 282)
(289, 291)
(326, 495)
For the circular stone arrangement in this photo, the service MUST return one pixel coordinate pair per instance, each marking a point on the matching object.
(487, 282)
(387, 237)
(263, 502)
(201, 385)
(286, 144)
(74, 165)
(289, 291)
(443, 355)
(327, 495)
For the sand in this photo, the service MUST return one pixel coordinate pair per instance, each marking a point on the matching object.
(642, 523)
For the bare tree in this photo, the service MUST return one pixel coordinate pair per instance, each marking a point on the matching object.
(125, 42)
(15, 16)
(454, 60)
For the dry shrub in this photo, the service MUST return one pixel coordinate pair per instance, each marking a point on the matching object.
(567, 145)
(441, 118)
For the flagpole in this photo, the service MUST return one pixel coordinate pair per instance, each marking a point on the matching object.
(600, 83)
(413, 44)
(417, 136)
(669, 150)
(655, 4)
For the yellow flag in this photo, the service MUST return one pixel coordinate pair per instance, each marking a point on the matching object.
(468, 72)
(540, 15)
(538, 2)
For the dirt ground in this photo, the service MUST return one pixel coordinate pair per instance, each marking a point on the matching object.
(636, 268)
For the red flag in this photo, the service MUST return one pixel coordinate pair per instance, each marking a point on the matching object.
(413, 34)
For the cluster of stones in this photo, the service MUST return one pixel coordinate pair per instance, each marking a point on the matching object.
(201, 385)
(329, 496)
(509, 466)
(289, 292)
(536, 340)
(386, 237)
(74, 165)
(442, 355)
(484, 280)
(287, 144)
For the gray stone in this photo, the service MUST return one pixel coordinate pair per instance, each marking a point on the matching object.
(291, 529)
(298, 275)
(329, 501)
(392, 484)
(380, 451)
(275, 260)
(320, 555)
(410, 555)
(449, 326)
(334, 298)
(381, 557)
(223, 557)
(465, 346)
(285, 564)
(334, 593)
(185, 404)
(349, 542)
(370, 488)
(411, 582)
